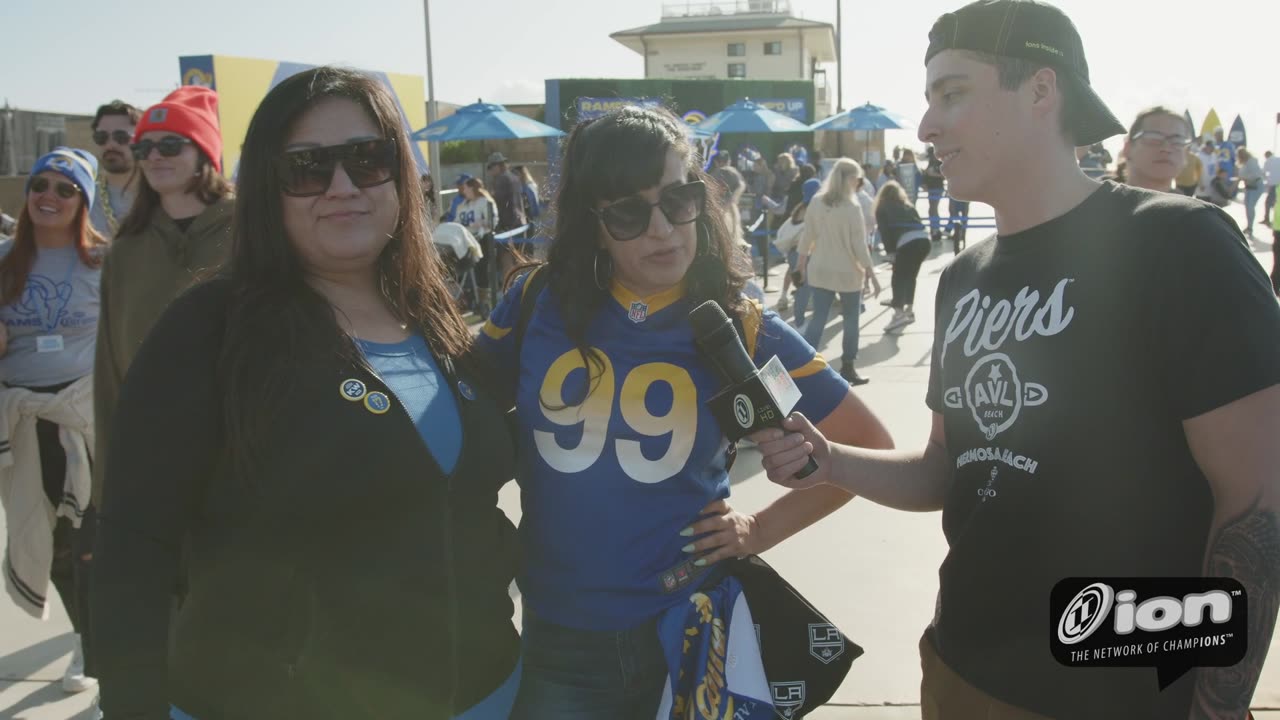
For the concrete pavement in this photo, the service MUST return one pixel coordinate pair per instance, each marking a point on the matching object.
(872, 570)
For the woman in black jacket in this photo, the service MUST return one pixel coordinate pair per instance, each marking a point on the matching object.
(309, 444)
(903, 234)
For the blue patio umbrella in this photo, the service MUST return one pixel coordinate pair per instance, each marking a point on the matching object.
(863, 117)
(746, 116)
(484, 121)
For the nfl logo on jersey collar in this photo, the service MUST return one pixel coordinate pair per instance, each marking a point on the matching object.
(639, 308)
(638, 312)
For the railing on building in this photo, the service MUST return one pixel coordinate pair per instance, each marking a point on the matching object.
(727, 7)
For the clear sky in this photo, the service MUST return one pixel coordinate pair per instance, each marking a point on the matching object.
(70, 55)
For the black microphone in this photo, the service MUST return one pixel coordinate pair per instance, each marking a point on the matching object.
(752, 399)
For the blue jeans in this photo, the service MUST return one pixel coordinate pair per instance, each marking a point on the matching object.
(1251, 205)
(573, 674)
(497, 706)
(803, 292)
(935, 220)
(850, 307)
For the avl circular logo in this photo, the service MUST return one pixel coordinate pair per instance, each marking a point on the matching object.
(1086, 613)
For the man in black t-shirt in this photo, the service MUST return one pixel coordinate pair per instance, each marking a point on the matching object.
(1105, 388)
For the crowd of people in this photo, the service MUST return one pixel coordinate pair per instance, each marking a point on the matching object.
(257, 450)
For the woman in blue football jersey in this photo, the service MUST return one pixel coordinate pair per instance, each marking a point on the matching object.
(623, 469)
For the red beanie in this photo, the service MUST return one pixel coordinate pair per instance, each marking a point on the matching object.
(192, 112)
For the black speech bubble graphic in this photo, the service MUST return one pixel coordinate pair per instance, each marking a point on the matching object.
(1171, 624)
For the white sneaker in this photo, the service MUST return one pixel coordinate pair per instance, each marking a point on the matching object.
(74, 680)
(900, 320)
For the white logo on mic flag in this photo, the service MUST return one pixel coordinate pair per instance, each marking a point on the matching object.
(743, 411)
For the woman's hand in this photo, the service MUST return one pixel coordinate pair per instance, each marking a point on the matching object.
(785, 452)
(726, 534)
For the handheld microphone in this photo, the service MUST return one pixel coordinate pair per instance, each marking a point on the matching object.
(751, 399)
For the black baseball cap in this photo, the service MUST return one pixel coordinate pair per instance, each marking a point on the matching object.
(1034, 31)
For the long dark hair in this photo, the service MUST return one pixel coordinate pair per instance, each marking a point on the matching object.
(611, 157)
(208, 185)
(277, 320)
(16, 266)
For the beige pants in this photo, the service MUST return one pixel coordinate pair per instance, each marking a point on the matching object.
(944, 695)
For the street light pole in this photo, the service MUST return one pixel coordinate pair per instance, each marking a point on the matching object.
(839, 77)
(433, 148)
(839, 62)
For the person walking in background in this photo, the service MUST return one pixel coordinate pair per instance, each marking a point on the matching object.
(178, 229)
(1209, 164)
(430, 201)
(478, 213)
(908, 175)
(1270, 178)
(959, 212)
(528, 191)
(1156, 148)
(1251, 178)
(935, 185)
(459, 197)
(904, 236)
(113, 127)
(835, 260)
(1192, 171)
(49, 300)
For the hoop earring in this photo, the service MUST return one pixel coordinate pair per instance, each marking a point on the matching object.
(704, 239)
(595, 271)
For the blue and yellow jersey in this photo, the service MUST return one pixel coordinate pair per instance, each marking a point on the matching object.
(609, 478)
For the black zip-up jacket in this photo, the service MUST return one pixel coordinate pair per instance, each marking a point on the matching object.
(345, 576)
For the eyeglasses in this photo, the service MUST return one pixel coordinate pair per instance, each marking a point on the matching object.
(307, 173)
(65, 190)
(169, 146)
(1153, 138)
(628, 219)
(120, 136)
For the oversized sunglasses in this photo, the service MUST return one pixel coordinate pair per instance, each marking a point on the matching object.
(1153, 138)
(628, 219)
(121, 137)
(65, 190)
(169, 146)
(307, 173)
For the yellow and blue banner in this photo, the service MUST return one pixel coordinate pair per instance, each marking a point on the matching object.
(241, 83)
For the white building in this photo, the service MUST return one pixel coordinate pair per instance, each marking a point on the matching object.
(751, 39)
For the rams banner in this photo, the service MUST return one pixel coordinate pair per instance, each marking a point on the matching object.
(795, 108)
(241, 84)
(590, 108)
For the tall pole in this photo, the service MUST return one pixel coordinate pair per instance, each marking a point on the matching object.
(839, 62)
(839, 76)
(433, 148)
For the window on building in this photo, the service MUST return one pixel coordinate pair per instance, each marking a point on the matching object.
(737, 70)
(773, 48)
(737, 49)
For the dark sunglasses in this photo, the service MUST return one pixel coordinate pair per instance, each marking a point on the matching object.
(120, 136)
(65, 190)
(307, 173)
(169, 146)
(627, 219)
